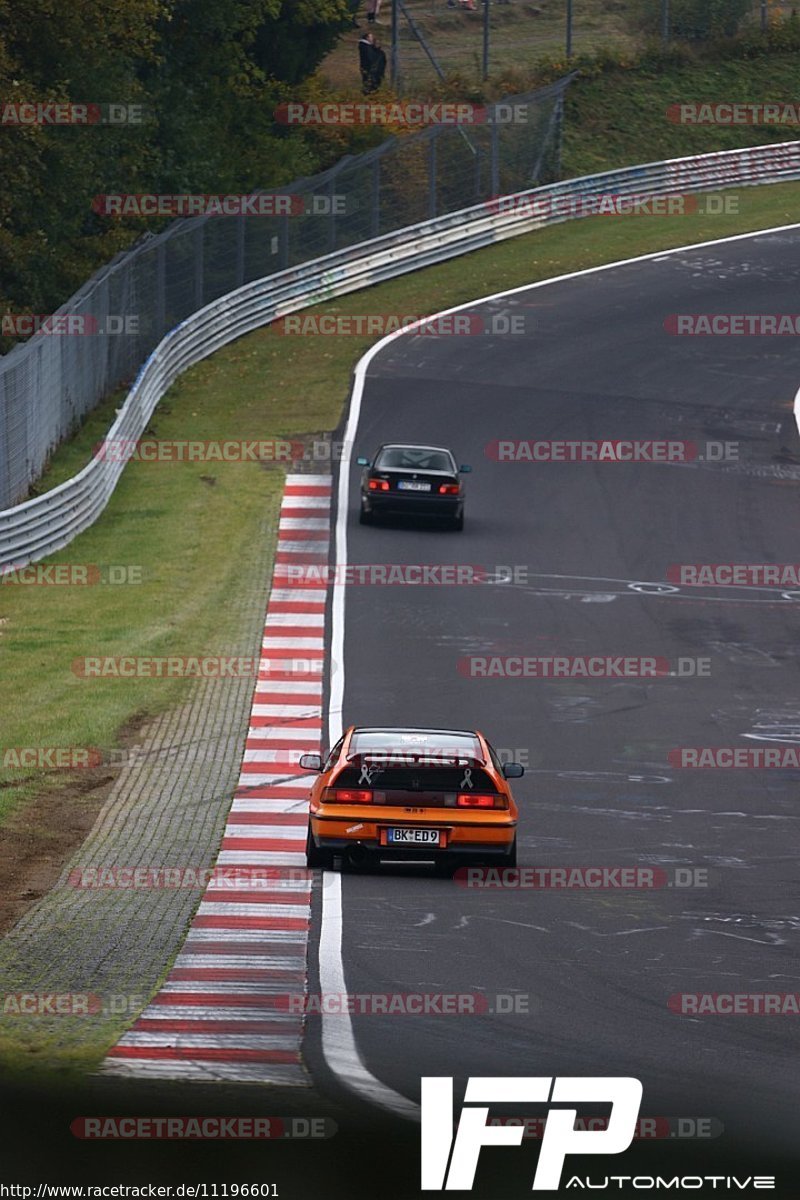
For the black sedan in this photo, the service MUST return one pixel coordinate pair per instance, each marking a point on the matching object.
(412, 481)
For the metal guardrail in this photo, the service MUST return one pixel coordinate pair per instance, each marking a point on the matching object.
(49, 522)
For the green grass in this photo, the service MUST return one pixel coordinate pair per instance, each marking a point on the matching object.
(619, 117)
(190, 536)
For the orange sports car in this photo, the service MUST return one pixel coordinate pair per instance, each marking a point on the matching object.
(411, 794)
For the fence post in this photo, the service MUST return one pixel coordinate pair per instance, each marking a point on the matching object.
(332, 213)
(569, 29)
(6, 482)
(665, 21)
(241, 233)
(432, 174)
(375, 216)
(199, 248)
(495, 163)
(486, 4)
(559, 133)
(283, 242)
(161, 289)
(395, 55)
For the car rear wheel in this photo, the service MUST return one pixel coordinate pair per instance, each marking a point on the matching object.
(365, 516)
(510, 859)
(316, 858)
(458, 522)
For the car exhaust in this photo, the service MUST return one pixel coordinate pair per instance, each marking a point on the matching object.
(356, 854)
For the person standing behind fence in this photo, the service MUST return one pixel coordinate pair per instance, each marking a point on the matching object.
(366, 58)
(378, 69)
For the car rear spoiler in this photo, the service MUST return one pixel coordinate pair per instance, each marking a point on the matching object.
(426, 758)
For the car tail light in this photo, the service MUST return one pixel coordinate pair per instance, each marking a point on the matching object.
(477, 800)
(378, 485)
(346, 796)
(449, 489)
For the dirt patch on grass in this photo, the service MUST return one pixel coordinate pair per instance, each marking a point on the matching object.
(39, 837)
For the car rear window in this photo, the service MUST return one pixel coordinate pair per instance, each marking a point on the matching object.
(415, 779)
(415, 745)
(414, 460)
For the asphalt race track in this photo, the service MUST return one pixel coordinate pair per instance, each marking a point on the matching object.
(596, 969)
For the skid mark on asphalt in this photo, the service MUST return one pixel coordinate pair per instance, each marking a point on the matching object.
(231, 1007)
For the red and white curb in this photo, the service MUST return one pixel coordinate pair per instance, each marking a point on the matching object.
(231, 1007)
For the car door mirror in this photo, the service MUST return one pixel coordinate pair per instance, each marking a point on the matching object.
(361, 461)
(465, 469)
(512, 770)
(311, 762)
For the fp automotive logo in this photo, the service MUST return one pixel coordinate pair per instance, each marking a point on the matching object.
(440, 1149)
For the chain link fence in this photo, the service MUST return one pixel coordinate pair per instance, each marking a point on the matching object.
(51, 382)
(464, 38)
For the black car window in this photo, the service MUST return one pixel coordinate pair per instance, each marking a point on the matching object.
(414, 459)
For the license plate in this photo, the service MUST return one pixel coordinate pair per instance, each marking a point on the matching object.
(411, 485)
(412, 837)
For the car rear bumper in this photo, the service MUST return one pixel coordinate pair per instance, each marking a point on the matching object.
(397, 503)
(415, 853)
(338, 834)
